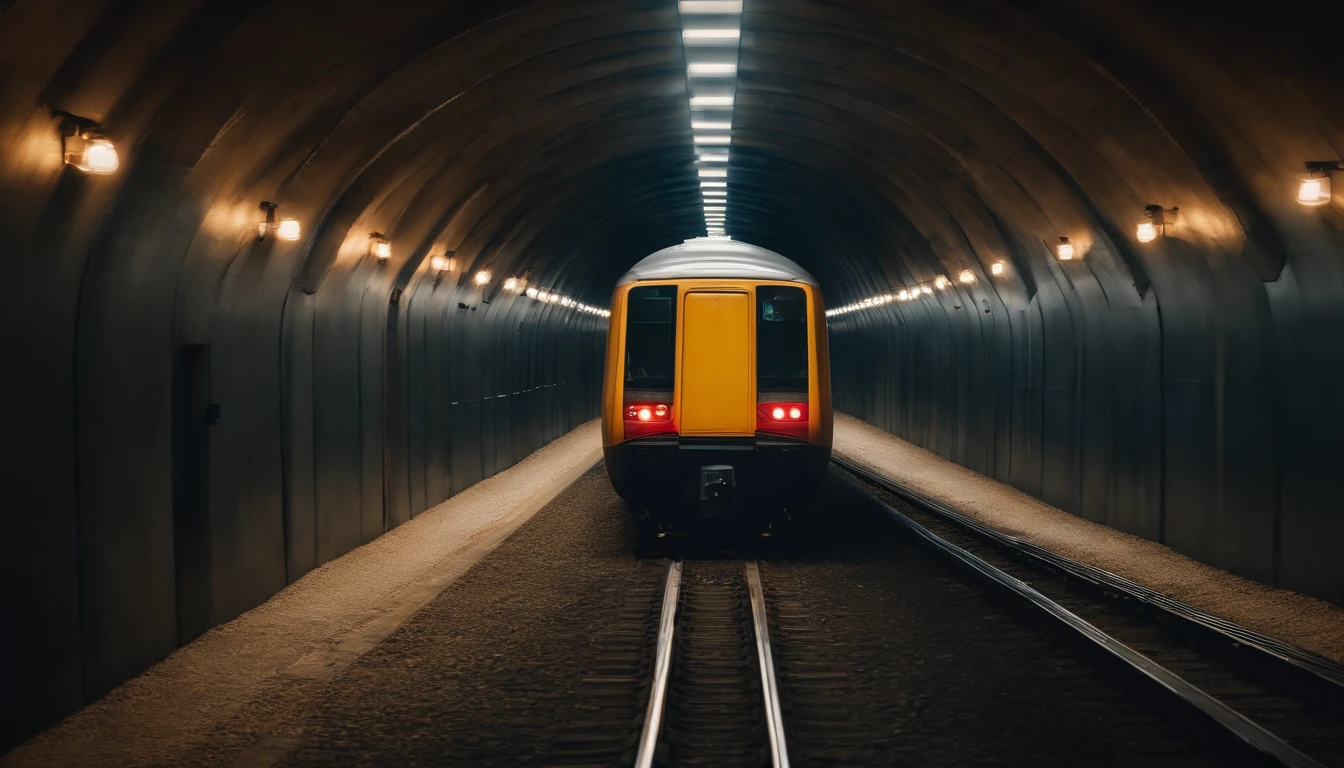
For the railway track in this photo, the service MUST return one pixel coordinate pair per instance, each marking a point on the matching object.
(1259, 700)
(714, 699)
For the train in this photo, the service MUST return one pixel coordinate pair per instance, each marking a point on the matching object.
(716, 396)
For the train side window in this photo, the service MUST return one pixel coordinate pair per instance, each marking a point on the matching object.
(651, 339)
(781, 339)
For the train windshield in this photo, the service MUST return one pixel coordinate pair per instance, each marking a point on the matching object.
(781, 339)
(651, 338)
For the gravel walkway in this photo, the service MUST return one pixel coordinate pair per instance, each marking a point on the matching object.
(239, 694)
(1294, 618)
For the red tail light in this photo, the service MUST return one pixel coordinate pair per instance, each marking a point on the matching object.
(782, 418)
(647, 419)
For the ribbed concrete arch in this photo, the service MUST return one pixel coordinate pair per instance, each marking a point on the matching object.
(1182, 390)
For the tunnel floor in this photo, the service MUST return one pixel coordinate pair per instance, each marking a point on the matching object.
(540, 654)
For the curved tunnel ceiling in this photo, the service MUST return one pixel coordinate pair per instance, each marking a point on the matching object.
(876, 144)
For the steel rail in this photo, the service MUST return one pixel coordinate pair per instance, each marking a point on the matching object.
(774, 716)
(653, 718)
(1250, 734)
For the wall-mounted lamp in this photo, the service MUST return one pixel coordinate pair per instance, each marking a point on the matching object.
(84, 146)
(966, 276)
(996, 268)
(379, 247)
(287, 229)
(940, 282)
(511, 284)
(925, 288)
(1064, 250)
(1314, 186)
(482, 277)
(904, 295)
(532, 293)
(1158, 217)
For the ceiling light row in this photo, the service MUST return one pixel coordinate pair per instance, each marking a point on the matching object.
(552, 297)
(920, 291)
(711, 33)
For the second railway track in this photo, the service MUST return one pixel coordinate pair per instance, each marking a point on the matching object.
(1270, 703)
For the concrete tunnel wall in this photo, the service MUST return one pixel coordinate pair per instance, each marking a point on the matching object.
(1183, 390)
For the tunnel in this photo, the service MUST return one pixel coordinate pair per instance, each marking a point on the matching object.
(352, 258)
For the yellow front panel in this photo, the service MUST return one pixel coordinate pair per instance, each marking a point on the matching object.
(717, 392)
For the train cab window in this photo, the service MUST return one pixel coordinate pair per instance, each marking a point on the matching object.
(781, 339)
(651, 339)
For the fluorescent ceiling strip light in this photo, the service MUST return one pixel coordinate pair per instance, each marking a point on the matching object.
(708, 158)
(710, 6)
(711, 101)
(711, 125)
(710, 69)
(713, 173)
(710, 35)
(713, 139)
(705, 184)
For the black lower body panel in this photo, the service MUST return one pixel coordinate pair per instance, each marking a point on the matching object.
(714, 485)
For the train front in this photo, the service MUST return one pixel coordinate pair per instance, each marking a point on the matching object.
(717, 410)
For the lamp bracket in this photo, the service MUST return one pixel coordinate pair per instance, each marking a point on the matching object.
(266, 226)
(1159, 214)
(75, 125)
(1322, 166)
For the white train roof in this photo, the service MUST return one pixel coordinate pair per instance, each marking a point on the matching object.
(709, 257)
